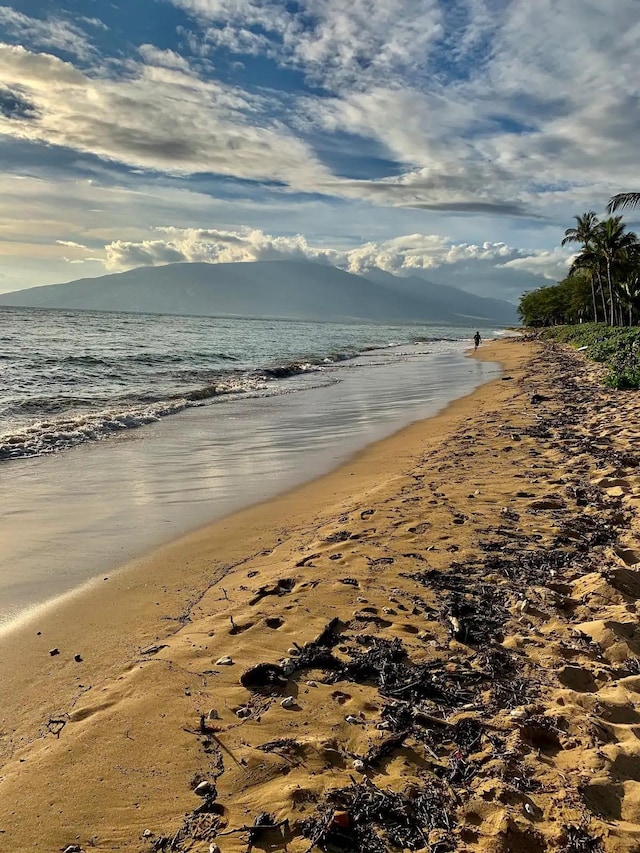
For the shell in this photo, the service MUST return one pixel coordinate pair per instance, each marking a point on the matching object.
(224, 661)
(204, 789)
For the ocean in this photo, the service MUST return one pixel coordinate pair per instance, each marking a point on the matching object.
(119, 432)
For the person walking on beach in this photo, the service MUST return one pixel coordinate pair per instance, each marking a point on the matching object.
(476, 340)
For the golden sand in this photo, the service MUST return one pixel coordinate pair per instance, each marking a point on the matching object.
(497, 541)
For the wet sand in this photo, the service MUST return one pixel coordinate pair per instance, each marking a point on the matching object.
(71, 516)
(453, 614)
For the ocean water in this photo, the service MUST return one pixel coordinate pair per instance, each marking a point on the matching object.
(68, 377)
(121, 432)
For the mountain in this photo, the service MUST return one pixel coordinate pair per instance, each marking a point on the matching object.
(287, 289)
(446, 299)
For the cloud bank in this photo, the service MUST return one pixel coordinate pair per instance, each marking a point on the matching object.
(413, 254)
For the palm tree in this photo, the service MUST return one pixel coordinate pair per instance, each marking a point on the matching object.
(612, 242)
(584, 234)
(629, 284)
(622, 200)
(590, 260)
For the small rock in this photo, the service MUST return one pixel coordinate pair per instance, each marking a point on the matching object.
(288, 702)
(518, 714)
(354, 721)
(213, 848)
(147, 833)
(293, 652)
(73, 848)
(224, 661)
(77, 658)
(358, 766)
(529, 809)
(243, 713)
(523, 606)
(213, 714)
(53, 653)
(205, 789)
(341, 819)
(312, 684)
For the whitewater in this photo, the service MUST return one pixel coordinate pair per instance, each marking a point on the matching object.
(121, 432)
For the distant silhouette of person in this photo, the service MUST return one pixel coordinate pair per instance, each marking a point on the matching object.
(476, 340)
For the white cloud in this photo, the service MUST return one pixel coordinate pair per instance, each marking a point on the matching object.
(52, 32)
(553, 265)
(412, 254)
(163, 58)
(71, 244)
(337, 42)
(156, 118)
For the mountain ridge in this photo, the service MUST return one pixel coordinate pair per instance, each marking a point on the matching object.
(289, 289)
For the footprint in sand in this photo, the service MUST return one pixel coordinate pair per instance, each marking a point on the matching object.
(577, 678)
(628, 556)
(240, 629)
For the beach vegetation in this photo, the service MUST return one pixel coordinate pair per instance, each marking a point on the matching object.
(618, 349)
(603, 284)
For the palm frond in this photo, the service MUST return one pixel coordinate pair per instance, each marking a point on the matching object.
(622, 200)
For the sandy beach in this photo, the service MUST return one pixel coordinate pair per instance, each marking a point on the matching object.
(449, 630)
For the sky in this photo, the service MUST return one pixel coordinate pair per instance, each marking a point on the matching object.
(450, 139)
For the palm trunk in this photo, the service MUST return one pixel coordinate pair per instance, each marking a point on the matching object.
(604, 304)
(593, 297)
(611, 313)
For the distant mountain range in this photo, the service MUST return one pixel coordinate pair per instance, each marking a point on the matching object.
(286, 289)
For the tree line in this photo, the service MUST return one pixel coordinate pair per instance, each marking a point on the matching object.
(603, 284)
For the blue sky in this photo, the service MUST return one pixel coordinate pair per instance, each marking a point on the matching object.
(452, 139)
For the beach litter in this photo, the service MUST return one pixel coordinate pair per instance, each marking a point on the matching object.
(366, 819)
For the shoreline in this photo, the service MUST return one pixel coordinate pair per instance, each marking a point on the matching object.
(110, 502)
(440, 494)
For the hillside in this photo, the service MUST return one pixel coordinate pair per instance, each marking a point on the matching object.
(291, 289)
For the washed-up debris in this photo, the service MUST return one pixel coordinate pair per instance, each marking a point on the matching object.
(281, 587)
(263, 675)
(578, 840)
(338, 536)
(153, 650)
(264, 823)
(366, 819)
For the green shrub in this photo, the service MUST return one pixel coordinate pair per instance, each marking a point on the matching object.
(618, 348)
